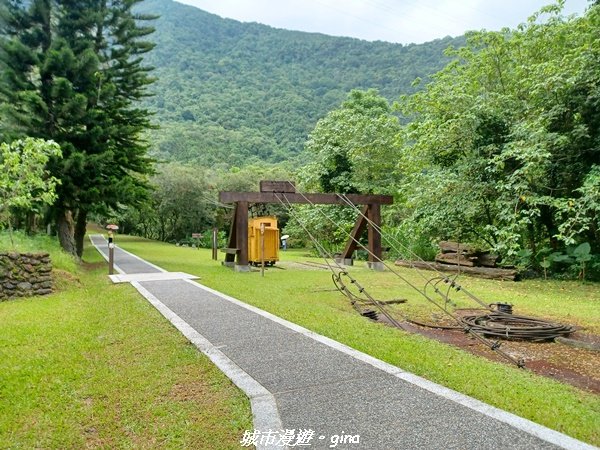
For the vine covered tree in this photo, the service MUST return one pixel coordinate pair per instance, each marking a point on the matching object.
(72, 71)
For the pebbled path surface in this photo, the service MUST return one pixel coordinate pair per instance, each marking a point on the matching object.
(333, 392)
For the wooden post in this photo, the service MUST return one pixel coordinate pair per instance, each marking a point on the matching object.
(215, 243)
(232, 242)
(111, 258)
(359, 228)
(111, 253)
(241, 232)
(375, 250)
(262, 249)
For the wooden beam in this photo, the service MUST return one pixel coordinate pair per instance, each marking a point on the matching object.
(241, 221)
(326, 199)
(357, 231)
(375, 251)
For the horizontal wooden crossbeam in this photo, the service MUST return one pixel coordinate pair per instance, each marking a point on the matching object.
(284, 192)
(328, 199)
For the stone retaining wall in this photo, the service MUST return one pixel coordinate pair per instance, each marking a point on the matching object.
(24, 274)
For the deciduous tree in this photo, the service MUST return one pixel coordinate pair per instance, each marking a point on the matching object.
(501, 146)
(354, 148)
(24, 181)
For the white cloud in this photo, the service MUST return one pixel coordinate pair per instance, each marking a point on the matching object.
(388, 20)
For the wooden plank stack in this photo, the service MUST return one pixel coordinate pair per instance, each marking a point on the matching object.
(463, 258)
(464, 255)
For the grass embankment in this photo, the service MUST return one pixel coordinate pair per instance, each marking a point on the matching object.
(94, 365)
(305, 297)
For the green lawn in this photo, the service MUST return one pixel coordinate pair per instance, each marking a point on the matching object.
(305, 297)
(94, 365)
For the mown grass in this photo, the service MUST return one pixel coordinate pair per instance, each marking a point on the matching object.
(94, 365)
(305, 297)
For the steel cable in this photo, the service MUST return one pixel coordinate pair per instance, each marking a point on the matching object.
(518, 328)
(495, 346)
(495, 323)
(337, 276)
(452, 283)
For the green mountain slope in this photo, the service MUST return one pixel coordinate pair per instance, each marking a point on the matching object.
(231, 93)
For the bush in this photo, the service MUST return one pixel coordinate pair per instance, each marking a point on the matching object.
(403, 243)
(574, 262)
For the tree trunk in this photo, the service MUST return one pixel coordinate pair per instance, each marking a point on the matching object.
(29, 222)
(64, 226)
(80, 227)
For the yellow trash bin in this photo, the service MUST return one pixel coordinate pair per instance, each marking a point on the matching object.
(271, 240)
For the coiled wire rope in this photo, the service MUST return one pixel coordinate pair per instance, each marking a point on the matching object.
(496, 323)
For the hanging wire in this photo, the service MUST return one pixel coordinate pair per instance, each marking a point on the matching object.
(214, 202)
(495, 346)
(496, 323)
(341, 272)
(452, 284)
(386, 265)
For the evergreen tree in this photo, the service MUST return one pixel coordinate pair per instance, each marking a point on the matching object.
(73, 72)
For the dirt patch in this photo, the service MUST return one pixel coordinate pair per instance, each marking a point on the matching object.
(576, 366)
(89, 267)
(293, 265)
(63, 279)
(190, 391)
(565, 375)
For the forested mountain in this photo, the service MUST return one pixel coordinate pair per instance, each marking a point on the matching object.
(231, 93)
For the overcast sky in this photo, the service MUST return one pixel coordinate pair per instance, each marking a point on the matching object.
(403, 21)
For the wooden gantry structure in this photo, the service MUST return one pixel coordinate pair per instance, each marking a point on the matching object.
(285, 192)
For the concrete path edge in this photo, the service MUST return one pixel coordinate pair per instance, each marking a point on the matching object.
(535, 429)
(264, 407)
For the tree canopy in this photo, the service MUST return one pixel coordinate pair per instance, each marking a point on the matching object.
(231, 93)
(73, 72)
(352, 143)
(503, 146)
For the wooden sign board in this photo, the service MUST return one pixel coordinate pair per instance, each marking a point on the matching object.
(196, 235)
(288, 187)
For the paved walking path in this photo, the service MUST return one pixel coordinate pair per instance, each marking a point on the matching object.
(298, 380)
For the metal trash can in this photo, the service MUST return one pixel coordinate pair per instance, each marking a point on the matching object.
(271, 240)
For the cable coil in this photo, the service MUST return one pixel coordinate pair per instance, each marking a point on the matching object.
(516, 328)
(478, 326)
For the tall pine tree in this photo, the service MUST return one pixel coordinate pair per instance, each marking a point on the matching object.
(72, 71)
